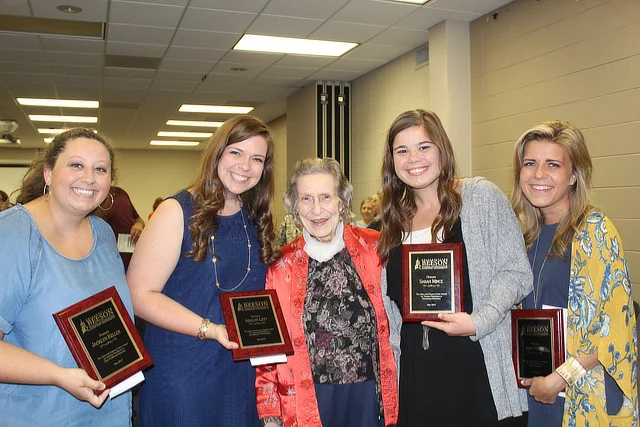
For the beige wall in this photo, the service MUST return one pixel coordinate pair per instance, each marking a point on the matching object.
(562, 59)
(279, 131)
(378, 97)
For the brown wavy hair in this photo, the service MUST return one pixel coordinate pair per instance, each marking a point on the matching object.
(33, 181)
(569, 137)
(398, 206)
(208, 190)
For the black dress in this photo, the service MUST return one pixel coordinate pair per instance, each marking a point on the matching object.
(446, 385)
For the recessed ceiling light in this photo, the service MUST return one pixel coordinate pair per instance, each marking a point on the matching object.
(222, 109)
(185, 134)
(67, 8)
(70, 103)
(178, 143)
(194, 123)
(51, 131)
(272, 44)
(64, 119)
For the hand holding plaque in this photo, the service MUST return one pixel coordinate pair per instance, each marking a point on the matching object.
(431, 280)
(104, 341)
(538, 342)
(254, 320)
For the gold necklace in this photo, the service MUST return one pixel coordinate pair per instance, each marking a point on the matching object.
(536, 291)
(215, 260)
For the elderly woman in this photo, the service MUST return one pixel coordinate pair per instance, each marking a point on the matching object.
(328, 282)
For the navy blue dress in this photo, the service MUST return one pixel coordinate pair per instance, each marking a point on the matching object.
(197, 383)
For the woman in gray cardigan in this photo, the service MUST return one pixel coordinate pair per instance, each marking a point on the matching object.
(457, 371)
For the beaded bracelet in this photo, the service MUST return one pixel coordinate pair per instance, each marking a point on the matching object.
(571, 371)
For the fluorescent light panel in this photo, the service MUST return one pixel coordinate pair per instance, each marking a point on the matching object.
(194, 123)
(64, 119)
(185, 134)
(255, 43)
(175, 143)
(70, 103)
(222, 109)
(48, 140)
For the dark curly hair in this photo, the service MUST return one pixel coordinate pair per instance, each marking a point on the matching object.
(208, 190)
(33, 181)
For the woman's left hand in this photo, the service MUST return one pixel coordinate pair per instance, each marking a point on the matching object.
(453, 324)
(545, 389)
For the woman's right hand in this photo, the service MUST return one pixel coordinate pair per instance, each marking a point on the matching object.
(219, 333)
(79, 384)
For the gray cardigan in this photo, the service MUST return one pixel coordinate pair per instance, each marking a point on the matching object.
(500, 277)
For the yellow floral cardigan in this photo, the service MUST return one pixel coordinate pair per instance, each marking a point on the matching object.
(601, 319)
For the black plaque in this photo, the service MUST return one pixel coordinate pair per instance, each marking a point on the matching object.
(254, 320)
(431, 280)
(538, 342)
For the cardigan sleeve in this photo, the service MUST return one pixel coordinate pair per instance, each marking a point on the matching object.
(504, 263)
(395, 321)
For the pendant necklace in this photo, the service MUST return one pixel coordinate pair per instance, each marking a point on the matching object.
(536, 291)
(215, 260)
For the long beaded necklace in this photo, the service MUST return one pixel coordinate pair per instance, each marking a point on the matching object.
(536, 292)
(215, 260)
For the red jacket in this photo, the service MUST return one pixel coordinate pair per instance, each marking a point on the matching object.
(287, 390)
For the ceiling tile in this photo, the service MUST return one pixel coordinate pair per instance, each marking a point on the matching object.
(336, 75)
(224, 88)
(24, 67)
(128, 72)
(15, 7)
(75, 70)
(347, 31)
(205, 39)
(14, 55)
(26, 91)
(262, 90)
(24, 78)
(185, 65)
(251, 69)
(184, 86)
(468, 6)
(64, 44)
(305, 61)
(75, 92)
(139, 34)
(370, 51)
(136, 49)
(425, 18)
(166, 94)
(202, 98)
(235, 5)
(352, 64)
(304, 8)
(69, 80)
(283, 26)
(92, 10)
(373, 12)
(401, 37)
(217, 78)
(195, 54)
(179, 75)
(15, 41)
(216, 20)
(292, 72)
(126, 83)
(158, 15)
(71, 58)
(252, 57)
(169, 2)
(123, 95)
(277, 81)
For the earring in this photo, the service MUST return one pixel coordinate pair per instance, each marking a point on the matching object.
(110, 206)
(46, 191)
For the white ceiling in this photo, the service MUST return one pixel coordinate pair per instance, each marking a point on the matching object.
(194, 38)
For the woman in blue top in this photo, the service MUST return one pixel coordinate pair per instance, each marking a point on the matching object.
(216, 236)
(53, 253)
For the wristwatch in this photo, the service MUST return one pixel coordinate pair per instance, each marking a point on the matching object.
(204, 327)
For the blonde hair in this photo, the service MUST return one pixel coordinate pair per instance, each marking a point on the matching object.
(569, 137)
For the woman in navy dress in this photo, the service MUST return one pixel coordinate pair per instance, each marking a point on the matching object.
(210, 238)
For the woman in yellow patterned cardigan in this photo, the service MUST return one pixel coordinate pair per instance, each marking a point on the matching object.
(578, 263)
